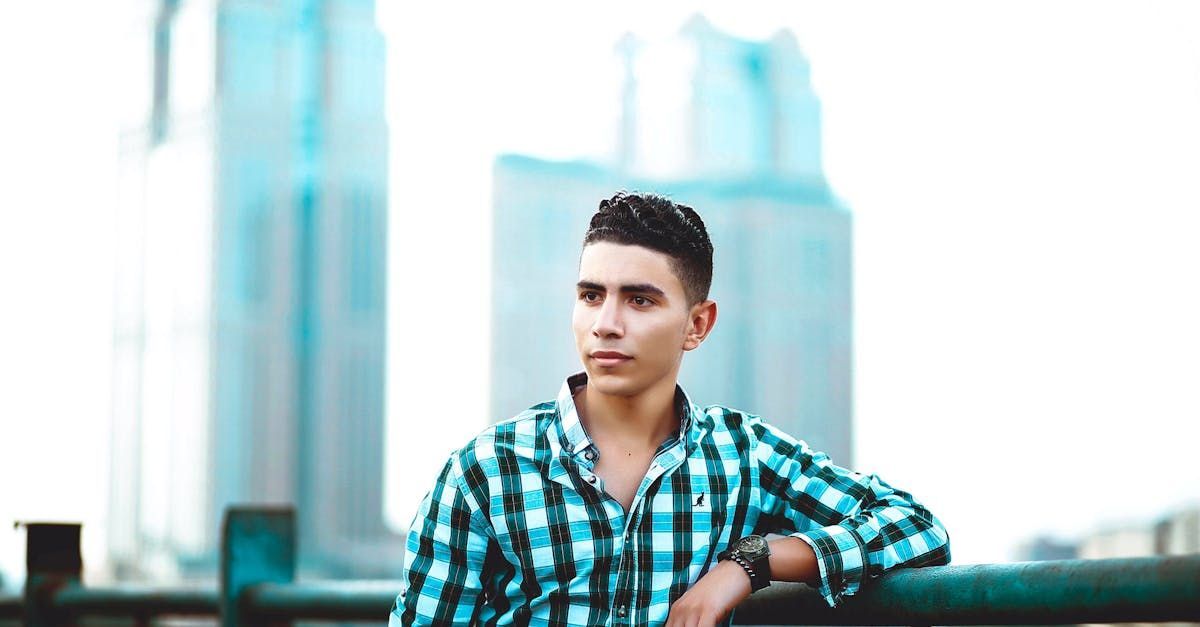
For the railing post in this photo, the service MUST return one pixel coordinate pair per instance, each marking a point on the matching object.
(52, 560)
(258, 545)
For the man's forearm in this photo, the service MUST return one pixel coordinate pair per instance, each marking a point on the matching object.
(792, 559)
(726, 585)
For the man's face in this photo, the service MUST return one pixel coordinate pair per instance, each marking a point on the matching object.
(631, 318)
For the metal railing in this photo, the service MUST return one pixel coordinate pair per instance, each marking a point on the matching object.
(257, 586)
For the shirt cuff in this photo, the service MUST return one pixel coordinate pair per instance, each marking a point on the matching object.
(841, 560)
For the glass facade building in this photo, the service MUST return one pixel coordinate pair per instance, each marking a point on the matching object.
(250, 313)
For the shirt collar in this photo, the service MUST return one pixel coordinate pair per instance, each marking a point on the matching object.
(574, 437)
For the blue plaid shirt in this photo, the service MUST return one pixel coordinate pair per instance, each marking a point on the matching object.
(518, 529)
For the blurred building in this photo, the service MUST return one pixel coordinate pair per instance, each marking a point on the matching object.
(1045, 548)
(249, 340)
(732, 128)
(1133, 541)
(1176, 533)
(1179, 533)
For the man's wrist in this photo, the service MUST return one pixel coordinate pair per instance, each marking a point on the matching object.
(733, 575)
(752, 554)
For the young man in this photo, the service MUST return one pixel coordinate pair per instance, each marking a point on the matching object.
(623, 503)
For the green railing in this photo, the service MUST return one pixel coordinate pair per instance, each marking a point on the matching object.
(257, 586)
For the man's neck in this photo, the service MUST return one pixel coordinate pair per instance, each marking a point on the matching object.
(644, 420)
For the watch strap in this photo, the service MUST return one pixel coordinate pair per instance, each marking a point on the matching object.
(758, 580)
(758, 568)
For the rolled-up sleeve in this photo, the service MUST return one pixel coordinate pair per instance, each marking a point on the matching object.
(445, 551)
(858, 526)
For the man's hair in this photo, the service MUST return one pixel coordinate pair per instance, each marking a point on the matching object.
(657, 223)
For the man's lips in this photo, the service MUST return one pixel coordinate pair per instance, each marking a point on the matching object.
(610, 358)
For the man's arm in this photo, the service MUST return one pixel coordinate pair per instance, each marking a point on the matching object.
(857, 526)
(726, 585)
(843, 527)
(444, 556)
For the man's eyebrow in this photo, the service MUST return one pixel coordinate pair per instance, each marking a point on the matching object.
(635, 288)
(643, 288)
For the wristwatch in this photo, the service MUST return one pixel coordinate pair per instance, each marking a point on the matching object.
(752, 554)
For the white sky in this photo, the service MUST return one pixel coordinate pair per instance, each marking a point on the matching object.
(1024, 189)
(1023, 179)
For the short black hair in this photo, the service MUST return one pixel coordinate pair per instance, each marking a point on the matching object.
(659, 224)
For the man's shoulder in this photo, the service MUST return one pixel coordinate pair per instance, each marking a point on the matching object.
(723, 419)
(742, 428)
(523, 435)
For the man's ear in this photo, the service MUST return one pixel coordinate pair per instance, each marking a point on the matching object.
(703, 316)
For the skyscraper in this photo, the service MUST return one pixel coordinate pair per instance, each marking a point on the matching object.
(249, 349)
(732, 128)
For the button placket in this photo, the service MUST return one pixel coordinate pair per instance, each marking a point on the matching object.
(624, 591)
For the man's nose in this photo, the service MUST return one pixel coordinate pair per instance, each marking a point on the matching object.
(608, 320)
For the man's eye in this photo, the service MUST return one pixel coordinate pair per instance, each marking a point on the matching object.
(590, 297)
(641, 301)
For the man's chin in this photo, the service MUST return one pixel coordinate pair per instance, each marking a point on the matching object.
(612, 384)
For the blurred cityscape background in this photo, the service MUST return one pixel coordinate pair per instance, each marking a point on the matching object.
(296, 252)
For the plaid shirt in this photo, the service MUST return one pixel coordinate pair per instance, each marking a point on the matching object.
(518, 529)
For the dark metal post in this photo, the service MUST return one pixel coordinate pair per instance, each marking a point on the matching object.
(258, 545)
(52, 560)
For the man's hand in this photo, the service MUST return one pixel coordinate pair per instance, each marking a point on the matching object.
(712, 597)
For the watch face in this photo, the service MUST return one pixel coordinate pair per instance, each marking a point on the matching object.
(751, 544)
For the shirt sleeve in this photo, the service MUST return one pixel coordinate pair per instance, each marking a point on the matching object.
(444, 555)
(858, 526)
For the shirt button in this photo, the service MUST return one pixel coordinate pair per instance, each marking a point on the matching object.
(589, 455)
(621, 611)
(591, 479)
